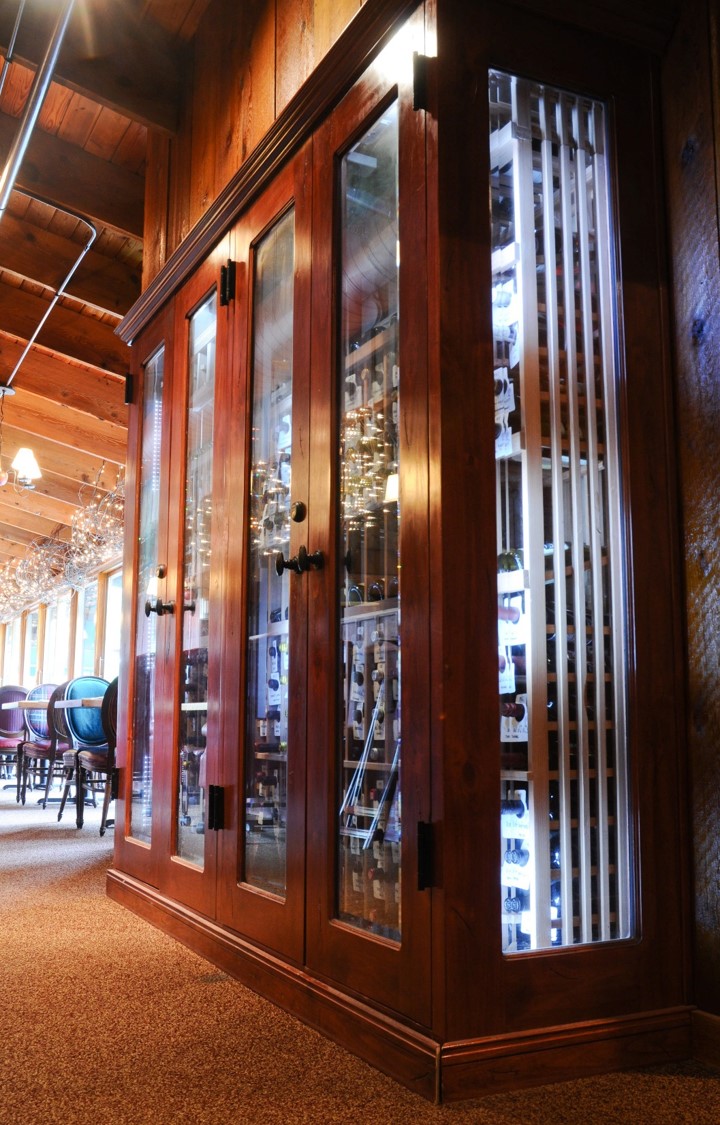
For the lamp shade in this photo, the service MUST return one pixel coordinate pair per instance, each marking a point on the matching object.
(26, 466)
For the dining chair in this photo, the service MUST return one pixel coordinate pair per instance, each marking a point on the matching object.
(12, 727)
(86, 736)
(42, 751)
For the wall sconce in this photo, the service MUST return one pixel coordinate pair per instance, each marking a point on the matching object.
(27, 470)
(24, 467)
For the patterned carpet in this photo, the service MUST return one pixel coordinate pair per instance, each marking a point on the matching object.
(103, 1019)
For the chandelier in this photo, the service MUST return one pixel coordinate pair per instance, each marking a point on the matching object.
(53, 564)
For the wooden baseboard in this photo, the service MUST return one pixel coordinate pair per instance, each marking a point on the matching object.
(557, 1054)
(436, 1071)
(706, 1038)
(402, 1052)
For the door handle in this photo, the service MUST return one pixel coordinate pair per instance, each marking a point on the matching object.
(155, 605)
(299, 563)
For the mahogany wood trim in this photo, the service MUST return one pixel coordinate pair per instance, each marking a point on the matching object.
(335, 74)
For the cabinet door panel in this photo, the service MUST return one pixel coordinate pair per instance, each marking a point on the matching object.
(577, 389)
(368, 924)
(262, 888)
(190, 598)
(140, 728)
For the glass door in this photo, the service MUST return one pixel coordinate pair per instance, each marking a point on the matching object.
(262, 890)
(142, 669)
(369, 734)
(189, 603)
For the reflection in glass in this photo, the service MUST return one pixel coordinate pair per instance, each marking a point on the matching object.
(194, 611)
(267, 745)
(565, 836)
(369, 844)
(143, 719)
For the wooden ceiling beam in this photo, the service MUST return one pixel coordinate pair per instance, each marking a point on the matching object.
(66, 330)
(11, 551)
(98, 393)
(38, 254)
(108, 54)
(42, 503)
(39, 417)
(60, 460)
(17, 515)
(65, 175)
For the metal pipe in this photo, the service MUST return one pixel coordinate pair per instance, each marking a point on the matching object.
(63, 285)
(11, 46)
(32, 108)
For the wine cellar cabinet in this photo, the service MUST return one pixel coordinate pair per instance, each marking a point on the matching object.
(404, 700)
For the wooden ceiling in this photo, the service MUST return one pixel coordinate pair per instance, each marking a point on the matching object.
(118, 75)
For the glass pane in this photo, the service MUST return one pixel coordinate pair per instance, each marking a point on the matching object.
(51, 639)
(195, 611)
(113, 618)
(88, 625)
(11, 665)
(56, 648)
(268, 748)
(30, 670)
(565, 833)
(143, 718)
(369, 643)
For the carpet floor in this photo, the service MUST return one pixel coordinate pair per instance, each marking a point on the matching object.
(105, 1019)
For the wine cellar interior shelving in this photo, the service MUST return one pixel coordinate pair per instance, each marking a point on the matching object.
(561, 631)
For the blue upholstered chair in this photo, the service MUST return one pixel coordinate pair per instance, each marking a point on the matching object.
(12, 728)
(84, 764)
(43, 748)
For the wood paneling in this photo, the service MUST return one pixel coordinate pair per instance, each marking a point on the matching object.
(692, 145)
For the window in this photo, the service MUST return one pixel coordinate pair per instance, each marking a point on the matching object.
(30, 664)
(11, 665)
(56, 661)
(87, 629)
(113, 620)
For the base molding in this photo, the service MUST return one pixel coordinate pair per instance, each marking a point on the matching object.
(449, 1071)
(706, 1038)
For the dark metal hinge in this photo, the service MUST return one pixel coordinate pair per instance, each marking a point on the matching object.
(114, 784)
(216, 808)
(421, 81)
(227, 282)
(425, 855)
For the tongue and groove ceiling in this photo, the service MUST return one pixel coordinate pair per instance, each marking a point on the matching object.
(119, 75)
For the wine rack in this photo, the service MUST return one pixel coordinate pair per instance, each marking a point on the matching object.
(561, 631)
(369, 816)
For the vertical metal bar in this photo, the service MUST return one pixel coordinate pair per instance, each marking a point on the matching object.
(32, 108)
(586, 232)
(569, 188)
(532, 499)
(554, 344)
(607, 312)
